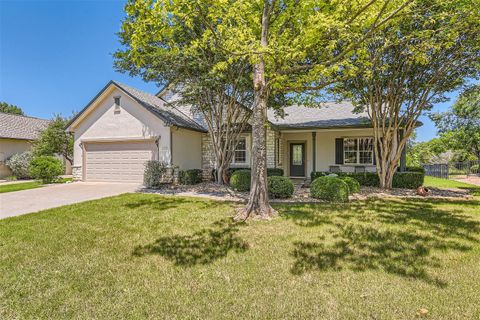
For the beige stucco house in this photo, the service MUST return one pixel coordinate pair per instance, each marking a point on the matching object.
(123, 127)
(16, 136)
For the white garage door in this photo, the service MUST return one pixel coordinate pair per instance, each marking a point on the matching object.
(117, 162)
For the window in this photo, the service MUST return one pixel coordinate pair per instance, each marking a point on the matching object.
(358, 151)
(240, 155)
(117, 104)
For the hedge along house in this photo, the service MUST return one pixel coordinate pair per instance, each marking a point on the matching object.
(122, 128)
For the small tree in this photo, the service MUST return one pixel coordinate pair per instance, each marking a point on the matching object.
(54, 140)
(462, 123)
(407, 67)
(10, 108)
(167, 52)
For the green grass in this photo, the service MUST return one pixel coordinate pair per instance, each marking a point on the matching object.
(147, 256)
(28, 185)
(20, 186)
(445, 184)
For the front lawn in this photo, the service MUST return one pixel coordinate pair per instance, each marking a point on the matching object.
(149, 256)
(446, 183)
(20, 186)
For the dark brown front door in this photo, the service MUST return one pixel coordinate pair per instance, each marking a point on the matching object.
(297, 159)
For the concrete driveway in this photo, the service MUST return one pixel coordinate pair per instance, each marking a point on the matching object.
(33, 200)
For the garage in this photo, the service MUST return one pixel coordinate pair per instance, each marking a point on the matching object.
(117, 161)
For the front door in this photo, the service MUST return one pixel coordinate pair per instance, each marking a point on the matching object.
(297, 159)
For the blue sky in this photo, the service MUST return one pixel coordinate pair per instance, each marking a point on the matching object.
(56, 55)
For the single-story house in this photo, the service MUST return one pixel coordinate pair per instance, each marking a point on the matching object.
(16, 136)
(122, 127)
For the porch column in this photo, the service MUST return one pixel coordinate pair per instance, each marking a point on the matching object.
(403, 157)
(314, 150)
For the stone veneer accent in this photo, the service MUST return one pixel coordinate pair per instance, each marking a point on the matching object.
(208, 156)
(77, 173)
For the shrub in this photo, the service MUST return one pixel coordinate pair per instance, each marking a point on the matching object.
(46, 168)
(408, 180)
(330, 189)
(240, 180)
(20, 164)
(154, 173)
(192, 176)
(353, 184)
(317, 174)
(416, 169)
(272, 172)
(280, 187)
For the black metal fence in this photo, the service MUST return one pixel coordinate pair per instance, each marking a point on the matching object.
(452, 170)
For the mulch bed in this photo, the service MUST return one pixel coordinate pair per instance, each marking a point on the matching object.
(301, 194)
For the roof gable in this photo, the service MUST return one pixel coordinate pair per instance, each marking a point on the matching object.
(155, 105)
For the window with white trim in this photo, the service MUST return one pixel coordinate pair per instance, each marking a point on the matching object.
(358, 151)
(240, 155)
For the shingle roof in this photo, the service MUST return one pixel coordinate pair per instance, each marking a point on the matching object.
(170, 114)
(327, 115)
(13, 126)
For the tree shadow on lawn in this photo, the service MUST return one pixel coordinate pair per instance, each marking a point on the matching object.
(398, 237)
(202, 247)
(157, 202)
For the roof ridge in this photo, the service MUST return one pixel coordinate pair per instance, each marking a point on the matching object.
(161, 99)
(24, 116)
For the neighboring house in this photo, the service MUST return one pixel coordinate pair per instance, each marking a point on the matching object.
(123, 127)
(16, 136)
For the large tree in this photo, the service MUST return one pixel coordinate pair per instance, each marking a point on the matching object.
(10, 108)
(407, 67)
(461, 125)
(293, 47)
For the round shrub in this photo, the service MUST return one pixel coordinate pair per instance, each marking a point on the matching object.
(240, 180)
(330, 189)
(280, 187)
(46, 168)
(353, 185)
(20, 164)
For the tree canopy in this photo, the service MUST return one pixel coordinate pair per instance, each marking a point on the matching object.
(54, 140)
(11, 108)
(408, 66)
(461, 124)
(293, 50)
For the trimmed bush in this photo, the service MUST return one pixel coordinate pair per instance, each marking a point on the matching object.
(272, 172)
(353, 184)
(408, 180)
(192, 176)
(46, 168)
(317, 174)
(280, 187)
(415, 169)
(154, 173)
(240, 180)
(20, 164)
(330, 189)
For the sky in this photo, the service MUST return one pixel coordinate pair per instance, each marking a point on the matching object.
(56, 55)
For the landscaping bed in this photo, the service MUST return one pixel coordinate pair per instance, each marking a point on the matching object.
(301, 193)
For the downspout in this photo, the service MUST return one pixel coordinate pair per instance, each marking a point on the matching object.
(171, 146)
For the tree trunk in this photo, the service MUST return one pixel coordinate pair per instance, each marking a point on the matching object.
(258, 205)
